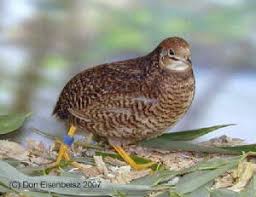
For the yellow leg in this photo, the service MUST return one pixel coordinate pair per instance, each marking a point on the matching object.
(130, 161)
(63, 152)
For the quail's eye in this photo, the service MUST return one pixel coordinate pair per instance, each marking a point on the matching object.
(171, 52)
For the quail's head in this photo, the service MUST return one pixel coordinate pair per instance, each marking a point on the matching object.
(175, 54)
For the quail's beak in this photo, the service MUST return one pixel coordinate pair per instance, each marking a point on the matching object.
(179, 64)
(185, 61)
(188, 61)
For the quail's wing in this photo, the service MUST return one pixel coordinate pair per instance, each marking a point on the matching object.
(94, 86)
(120, 109)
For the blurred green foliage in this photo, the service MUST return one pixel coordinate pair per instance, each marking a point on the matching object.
(63, 37)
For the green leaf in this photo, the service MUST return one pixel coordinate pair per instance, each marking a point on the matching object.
(155, 178)
(203, 191)
(30, 170)
(4, 189)
(36, 194)
(250, 189)
(215, 163)
(174, 194)
(165, 175)
(44, 134)
(241, 148)
(166, 144)
(211, 164)
(9, 173)
(223, 193)
(192, 134)
(196, 179)
(12, 122)
(85, 160)
(164, 194)
(137, 159)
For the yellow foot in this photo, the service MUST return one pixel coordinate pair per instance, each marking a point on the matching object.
(64, 156)
(130, 161)
(63, 151)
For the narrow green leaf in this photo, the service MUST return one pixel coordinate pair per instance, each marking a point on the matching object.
(211, 164)
(215, 163)
(44, 134)
(36, 194)
(165, 144)
(155, 178)
(9, 173)
(174, 194)
(203, 191)
(12, 162)
(223, 193)
(250, 189)
(194, 180)
(163, 194)
(137, 159)
(30, 170)
(84, 160)
(165, 175)
(12, 122)
(242, 148)
(191, 134)
(4, 189)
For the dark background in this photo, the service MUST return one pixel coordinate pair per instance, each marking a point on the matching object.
(45, 42)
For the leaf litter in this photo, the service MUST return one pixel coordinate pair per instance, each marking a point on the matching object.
(113, 170)
(13, 150)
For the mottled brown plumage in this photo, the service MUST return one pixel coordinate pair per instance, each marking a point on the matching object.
(131, 100)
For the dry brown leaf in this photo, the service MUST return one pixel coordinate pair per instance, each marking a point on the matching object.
(224, 181)
(173, 160)
(13, 195)
(101, 165)
(39, 154)
(35, 147)
(13, 150)
(114, 162)
(243, 173)
(139, 174)
(36, 160)
(88, 170)
(124, 174)
(120, 174)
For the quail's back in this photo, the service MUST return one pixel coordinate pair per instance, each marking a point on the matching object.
(131, 100)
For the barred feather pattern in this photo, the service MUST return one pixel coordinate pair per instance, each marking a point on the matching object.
(128, 100)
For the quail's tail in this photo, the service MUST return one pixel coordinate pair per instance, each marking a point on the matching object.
(60, 111)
